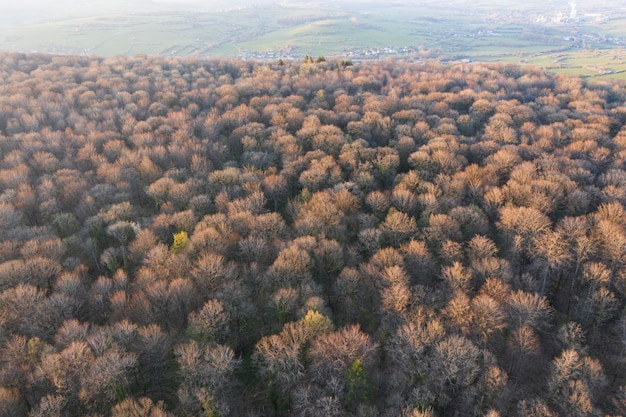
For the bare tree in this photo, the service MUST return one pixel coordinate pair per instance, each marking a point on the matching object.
(142, 407)
(206, 371)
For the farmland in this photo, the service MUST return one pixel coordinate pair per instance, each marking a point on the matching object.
(590, 45)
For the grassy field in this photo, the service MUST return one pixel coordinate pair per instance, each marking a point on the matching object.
(589, 49)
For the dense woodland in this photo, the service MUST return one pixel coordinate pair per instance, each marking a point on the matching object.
(182, 237)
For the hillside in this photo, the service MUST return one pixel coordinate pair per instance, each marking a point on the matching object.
(587, 40)
(185, 237)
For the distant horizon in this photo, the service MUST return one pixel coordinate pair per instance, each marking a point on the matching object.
(42, 8)
(585, 38)
(29, 12)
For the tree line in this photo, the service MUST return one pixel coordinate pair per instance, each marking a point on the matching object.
(186, 237)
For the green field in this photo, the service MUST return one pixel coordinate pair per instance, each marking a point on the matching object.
(593, 47)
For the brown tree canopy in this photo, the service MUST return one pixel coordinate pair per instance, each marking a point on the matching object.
(222, 237)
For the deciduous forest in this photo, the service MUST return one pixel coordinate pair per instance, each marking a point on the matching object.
(186, 237)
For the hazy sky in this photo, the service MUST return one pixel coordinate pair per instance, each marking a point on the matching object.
(18, 12)
(32, 11)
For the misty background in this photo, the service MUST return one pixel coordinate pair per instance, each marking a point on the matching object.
(578, 37)
(15, 13)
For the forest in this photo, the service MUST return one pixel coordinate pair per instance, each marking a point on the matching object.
(191, 237)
